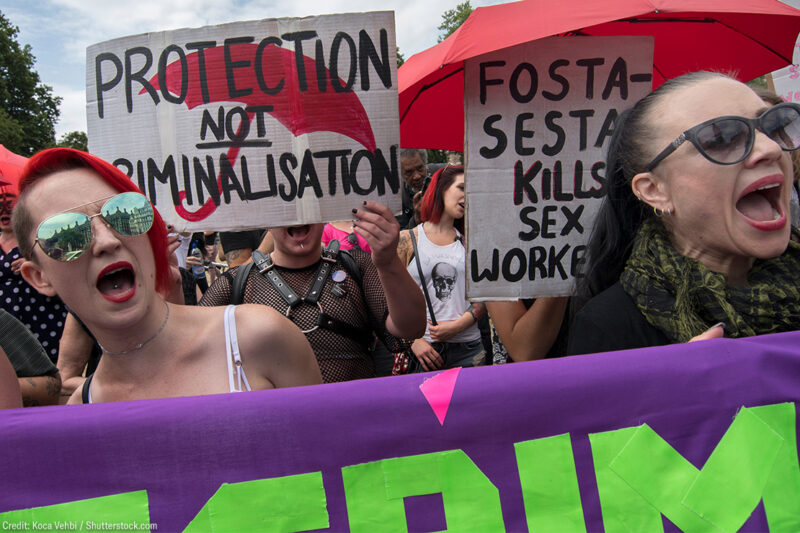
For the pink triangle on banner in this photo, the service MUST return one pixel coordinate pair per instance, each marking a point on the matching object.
(438, 390)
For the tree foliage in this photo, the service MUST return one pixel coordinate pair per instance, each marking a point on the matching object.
(437, 156)
(28, 109)
(400, 58)
(74, 139)
(453, 18)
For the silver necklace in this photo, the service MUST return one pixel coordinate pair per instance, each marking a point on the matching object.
(143, 343)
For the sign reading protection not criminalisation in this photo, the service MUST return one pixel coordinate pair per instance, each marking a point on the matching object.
(539, 117)
(252, 124)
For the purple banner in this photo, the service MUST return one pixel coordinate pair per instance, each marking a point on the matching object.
(182, 450)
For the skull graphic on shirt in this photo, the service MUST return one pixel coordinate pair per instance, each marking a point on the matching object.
(444, 279)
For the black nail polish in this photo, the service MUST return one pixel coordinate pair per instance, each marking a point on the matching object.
(364, 202)
(355, 211)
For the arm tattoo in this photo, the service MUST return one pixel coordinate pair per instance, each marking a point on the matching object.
(53, 386)
(404, 247)
(233, 255)
(477, 310)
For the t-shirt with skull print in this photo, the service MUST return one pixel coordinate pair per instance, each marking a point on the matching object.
(443, 268)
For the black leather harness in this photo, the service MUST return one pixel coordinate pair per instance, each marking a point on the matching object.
(330, 256)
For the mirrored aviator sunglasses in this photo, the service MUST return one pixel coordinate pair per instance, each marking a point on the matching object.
(729, 140)
(66, 236)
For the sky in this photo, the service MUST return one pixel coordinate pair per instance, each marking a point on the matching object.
(59, 31)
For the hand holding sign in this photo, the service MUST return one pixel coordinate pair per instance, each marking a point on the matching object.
(376, 223)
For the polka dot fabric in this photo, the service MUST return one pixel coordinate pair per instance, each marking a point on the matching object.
(42, 315)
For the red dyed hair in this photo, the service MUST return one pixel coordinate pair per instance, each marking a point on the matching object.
(433, 201)
(55, 160)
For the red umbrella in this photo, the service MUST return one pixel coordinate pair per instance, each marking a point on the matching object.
(747, 37)
(10, 169)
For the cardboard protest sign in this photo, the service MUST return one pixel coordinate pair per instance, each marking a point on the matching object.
(252, 124)
(787, 83)
(538, 119)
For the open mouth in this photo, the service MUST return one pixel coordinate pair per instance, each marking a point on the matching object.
(761, 205)
(5, 220)
(298, 233)
(117, 282)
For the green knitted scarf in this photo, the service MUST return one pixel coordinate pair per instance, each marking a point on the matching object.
(683, 298)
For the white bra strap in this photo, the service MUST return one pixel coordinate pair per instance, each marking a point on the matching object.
(232, 348)
(229, 359)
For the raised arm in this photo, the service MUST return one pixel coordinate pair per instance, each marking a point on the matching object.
(528, 334)
(404, 299)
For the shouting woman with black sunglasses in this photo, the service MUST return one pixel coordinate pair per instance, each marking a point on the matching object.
(91, 237)
(693, 238)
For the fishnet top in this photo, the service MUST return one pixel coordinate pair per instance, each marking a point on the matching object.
(340, 358)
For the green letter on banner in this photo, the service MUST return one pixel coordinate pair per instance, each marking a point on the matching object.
(281, 505)
(550, 485)
(127, 508)
(640, 476)
(375, 492)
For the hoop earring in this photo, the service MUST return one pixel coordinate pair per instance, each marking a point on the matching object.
(658, 212)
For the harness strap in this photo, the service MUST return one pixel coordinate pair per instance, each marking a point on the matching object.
(360, 335)
(239, 281)
(330, 255)
(266, 268)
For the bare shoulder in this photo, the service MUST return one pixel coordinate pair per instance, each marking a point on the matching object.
(275, 346)
(262, 319)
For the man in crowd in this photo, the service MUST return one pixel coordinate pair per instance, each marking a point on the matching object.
(413, 169)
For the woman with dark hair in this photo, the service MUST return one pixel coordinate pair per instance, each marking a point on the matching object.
(435, 255)
(90, 236)
(693, 239)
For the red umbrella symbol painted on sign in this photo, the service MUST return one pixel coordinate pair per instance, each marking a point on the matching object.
(273, 81)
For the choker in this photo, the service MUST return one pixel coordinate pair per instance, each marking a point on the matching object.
(143, 343)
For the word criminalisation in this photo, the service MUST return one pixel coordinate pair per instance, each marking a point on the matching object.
(286, 176)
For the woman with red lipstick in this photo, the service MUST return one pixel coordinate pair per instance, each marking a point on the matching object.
(91, 237)
(693, 238)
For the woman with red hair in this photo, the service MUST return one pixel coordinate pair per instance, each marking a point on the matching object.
(90, 236)
(434, 253)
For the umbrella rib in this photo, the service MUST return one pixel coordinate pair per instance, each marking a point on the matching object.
(425, 88)
(659, 72)
(707, 20)
(788, 60)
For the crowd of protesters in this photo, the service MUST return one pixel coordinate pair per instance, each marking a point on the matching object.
(693, 241)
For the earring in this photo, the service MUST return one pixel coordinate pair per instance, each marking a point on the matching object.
(658, 212)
